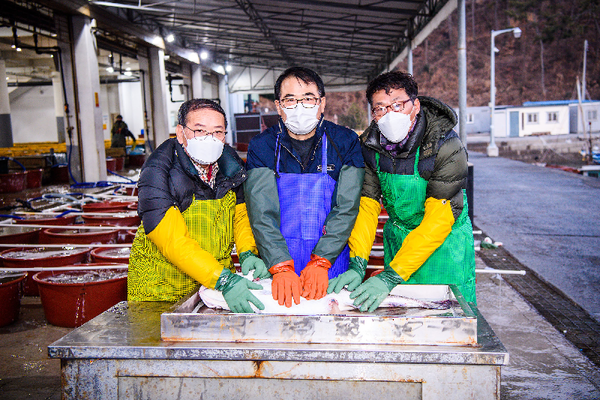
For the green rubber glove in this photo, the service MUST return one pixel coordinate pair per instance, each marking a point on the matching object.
(249, 262)
(371, 293)
(352, 278)
(236, 292)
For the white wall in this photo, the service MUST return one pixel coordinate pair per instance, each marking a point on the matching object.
(543, 126)
(586, 108)
(132, 107)
(32, 115)
(500, 123)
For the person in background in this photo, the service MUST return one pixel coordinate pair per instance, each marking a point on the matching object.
(303, 189)
(119, 134)
(417, 165)
(191, 202)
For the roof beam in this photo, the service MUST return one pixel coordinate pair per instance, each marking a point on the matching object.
(249, 9)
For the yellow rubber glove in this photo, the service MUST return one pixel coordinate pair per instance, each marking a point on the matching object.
(363, 234)
(286, 284)
(425, 238)
(173, 241)
(242, 232)
(314, 278)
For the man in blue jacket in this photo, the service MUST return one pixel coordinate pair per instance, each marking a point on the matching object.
(303, 190)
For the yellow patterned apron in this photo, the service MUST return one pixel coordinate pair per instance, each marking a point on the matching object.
(152, 277)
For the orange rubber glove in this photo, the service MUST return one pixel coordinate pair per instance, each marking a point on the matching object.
(286, 284)
(314, 278)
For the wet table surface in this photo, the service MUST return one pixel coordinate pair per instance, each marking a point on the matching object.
(133, 331)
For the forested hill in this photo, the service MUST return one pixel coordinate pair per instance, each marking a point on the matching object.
(543, 64)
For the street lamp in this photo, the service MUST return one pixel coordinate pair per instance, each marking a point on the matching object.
(492, 149)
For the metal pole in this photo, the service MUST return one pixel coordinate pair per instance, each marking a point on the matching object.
(410, 58)
(462, 71)
(585, 48)
(492, 149)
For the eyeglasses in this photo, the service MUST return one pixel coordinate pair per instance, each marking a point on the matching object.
(202, 132)
(397, 106)
(307, 102)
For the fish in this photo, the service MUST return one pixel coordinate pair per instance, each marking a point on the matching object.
(333, 303)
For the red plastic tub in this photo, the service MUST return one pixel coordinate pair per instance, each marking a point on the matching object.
(70, 298)
(376, 258)
(378, 239)
(117, 219)
(59, 174)
(111, 164)
(111, 254)
(136, 160)
(129, 235)
(10, 296)
(79, 236)
(106, 206)
(131, 190)
(19, 235)
(13, 182)
(34, 178)
(120, 163)
(41, 219)
(40, 257)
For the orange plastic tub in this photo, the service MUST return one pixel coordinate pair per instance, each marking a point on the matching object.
(71, 298)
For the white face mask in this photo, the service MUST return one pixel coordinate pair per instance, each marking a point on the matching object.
(204, 149)
(394, 126)
(301, 120)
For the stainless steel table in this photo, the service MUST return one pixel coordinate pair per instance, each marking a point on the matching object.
(120, 354)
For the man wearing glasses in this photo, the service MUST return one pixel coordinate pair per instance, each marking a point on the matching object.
(191, 203)
(417, 165)
(303, 189)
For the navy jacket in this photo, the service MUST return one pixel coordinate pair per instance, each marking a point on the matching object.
(344, 164)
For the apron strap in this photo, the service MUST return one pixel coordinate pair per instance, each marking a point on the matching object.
(415, 166)
(277, 150)
(324, 155)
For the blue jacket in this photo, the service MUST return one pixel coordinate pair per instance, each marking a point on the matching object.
(344, 164)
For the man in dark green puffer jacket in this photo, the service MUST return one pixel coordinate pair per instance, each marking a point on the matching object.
(416, 164)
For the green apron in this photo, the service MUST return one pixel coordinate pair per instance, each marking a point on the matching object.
(454, 261)
(152, 277)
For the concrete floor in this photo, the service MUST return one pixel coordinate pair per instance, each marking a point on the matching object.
(543, 364)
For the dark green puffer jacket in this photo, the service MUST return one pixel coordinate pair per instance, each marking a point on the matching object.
(442, 160)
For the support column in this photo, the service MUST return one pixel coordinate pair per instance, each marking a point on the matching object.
(6, 138)
(196, 81)
(410, 58)
(89, 112)
(64, 29)
(224, 96)
(159, 96)
(186, 71)
(147, 102)
(462, 72)
(59, 106)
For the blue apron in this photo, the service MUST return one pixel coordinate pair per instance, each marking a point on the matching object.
(305, 202)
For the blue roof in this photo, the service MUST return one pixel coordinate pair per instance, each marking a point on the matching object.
(554, 102)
